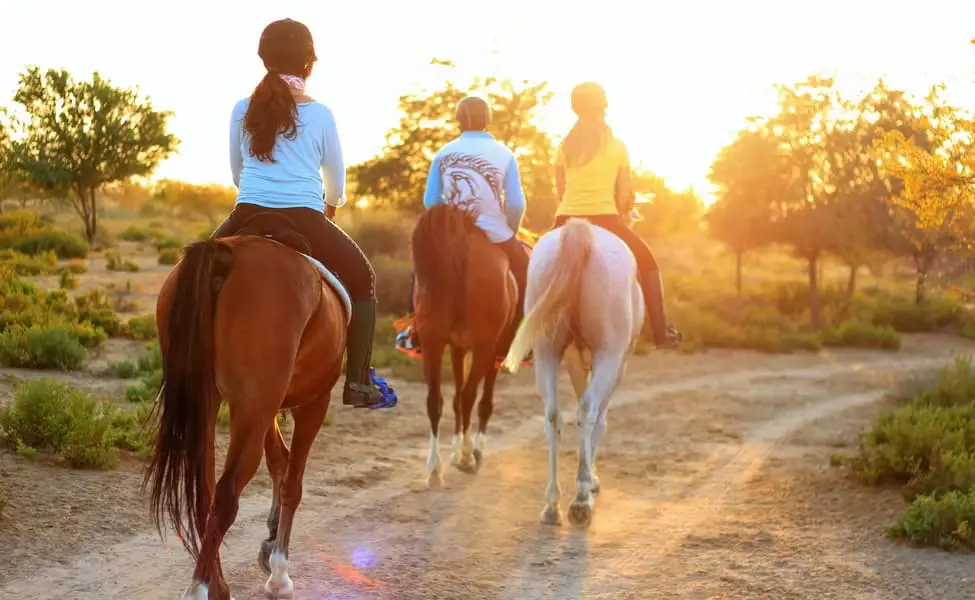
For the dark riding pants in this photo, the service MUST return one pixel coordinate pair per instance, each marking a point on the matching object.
(329, 245)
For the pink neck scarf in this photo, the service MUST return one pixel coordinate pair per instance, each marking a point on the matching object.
(294, 82)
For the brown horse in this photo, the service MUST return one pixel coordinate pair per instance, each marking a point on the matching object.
(465, 297)
(250, 321)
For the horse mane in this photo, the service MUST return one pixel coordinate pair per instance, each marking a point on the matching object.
(441, 244)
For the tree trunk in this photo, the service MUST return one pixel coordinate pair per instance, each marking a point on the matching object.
(923, 265)
(851, 283)
(738, 257)
(814, 308)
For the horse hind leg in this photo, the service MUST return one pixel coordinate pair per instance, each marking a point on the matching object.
(459, 361)
(546, 378)
(592, 410)
(308, 421)
(276, 456)
(485, 408)
(432, 368)
(482, 363)
(242, 461)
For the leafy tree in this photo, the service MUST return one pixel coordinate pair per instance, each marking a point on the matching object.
(934, 162)
(129, 194)
(82, 135)
(751, 175)
(667, 212)
(210, 201)
(397, 177)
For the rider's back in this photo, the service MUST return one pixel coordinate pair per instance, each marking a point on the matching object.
(294, 179)
(590, 188)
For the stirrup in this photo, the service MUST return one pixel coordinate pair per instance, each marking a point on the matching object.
(377, 393)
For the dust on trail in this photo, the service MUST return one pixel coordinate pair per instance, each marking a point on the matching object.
(681, 460)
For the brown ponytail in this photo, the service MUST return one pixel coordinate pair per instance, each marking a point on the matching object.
(272, 110)
(286, 48)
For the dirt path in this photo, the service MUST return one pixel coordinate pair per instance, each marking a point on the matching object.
(715, 481)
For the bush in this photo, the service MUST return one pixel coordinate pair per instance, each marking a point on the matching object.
(928, 448)
(947, 522)
(43, 263)
(392, 284)
(41, 347)
(47, 414)
(114, 261)
(62, 243)
(67, 280)
(140, 234)
(169, 243)
(141, 328)
(149, 367)
(857, 334)
(170, 256)
(384, 233)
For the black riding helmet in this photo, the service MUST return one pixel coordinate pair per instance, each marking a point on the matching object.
(473, 114)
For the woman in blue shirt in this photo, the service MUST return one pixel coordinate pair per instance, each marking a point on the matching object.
(280, 141)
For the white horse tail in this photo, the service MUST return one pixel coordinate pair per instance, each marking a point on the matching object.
(560, 299)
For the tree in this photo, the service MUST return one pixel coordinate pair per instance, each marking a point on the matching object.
(210, 201)
(82, 135)
(665, 211)
(751, 176)
(133, 196)
(934, 201)
(397, 177)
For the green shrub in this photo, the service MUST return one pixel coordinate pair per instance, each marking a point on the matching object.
(43, 263)
(140, 234)
(170, 256)
(67, 280)
(114, 261)
(62, 243)
(384, 233)
(142, 328)
(857, 334)
(123, 369)
(169, 243)
(41, 347)
(392, 284)
(47, 414)
(946, 522)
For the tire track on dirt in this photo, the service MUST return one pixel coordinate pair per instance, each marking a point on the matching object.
(143, 567)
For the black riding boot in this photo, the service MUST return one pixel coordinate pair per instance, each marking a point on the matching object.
(664, 335)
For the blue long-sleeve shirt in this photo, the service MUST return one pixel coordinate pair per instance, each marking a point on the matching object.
(295, 178)
(478, 171)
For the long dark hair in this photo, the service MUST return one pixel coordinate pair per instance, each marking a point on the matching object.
(590, 134)
(287, 49)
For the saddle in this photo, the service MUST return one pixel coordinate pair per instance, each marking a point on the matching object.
(282, 230)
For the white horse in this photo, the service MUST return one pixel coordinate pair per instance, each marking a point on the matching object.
(583, 301)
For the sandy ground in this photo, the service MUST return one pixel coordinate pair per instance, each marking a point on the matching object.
(716, 484)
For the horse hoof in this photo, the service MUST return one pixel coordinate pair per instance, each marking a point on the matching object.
(435, 481)
(580, 514)
(551, 515)
(595, 485)
(454, 459)
(467, 464)
(478, 459)
(264, 556)
(280, 590)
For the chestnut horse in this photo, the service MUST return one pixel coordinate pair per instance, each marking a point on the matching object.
(465, 297)
(250, 321)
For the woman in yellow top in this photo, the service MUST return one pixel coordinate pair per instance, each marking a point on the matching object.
(592, 172)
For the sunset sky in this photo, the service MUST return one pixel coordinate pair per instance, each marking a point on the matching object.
(681, 76)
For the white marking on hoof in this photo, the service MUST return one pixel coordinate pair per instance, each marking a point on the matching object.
(480, 448)
(279, 585)
(197, 591)
(580, 512)
(434, 466)
(455, 450)
(551, 515)
(595, 484)
(467, 462)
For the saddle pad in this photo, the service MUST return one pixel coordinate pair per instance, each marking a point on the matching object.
(336, 285)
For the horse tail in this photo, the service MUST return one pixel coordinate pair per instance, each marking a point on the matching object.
(441, 242)
(559, 301)
(177, 467)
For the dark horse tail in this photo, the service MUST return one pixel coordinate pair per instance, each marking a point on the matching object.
(177, 468)
(440, 247)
